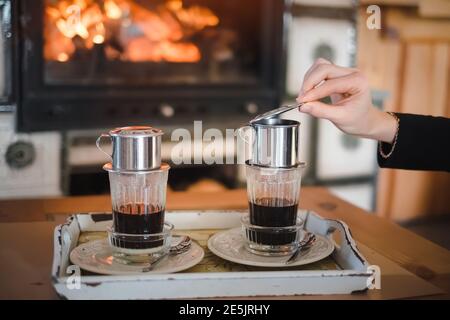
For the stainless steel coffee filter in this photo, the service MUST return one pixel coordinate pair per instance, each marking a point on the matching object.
(135, 148)
(275, 143)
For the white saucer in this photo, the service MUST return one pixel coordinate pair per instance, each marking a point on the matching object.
(97, 256)
(230, 245)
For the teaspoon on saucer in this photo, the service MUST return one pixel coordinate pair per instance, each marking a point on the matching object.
(307, 241)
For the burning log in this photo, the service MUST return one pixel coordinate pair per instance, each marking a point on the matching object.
(127, 31)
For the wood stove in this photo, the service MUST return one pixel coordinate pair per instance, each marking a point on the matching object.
(104, 63)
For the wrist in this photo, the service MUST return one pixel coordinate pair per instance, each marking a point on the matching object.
(383, 126)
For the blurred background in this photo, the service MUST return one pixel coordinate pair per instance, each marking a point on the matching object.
(72, 69)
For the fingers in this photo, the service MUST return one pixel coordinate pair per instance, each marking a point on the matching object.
(322, 110)
(320, 72)
(349, 84)
(322, 61)
(317, 63)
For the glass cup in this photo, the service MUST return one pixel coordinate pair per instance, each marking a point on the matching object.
(273, 196)
(272, 241)
(140, 247)
(138, 205)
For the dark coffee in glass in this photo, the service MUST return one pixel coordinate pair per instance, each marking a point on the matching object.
(137, 218)
(264, 213)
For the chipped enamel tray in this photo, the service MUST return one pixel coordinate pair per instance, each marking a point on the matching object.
(342, 272)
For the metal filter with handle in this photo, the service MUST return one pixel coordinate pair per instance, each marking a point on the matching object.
(135, 148)
(274, 141)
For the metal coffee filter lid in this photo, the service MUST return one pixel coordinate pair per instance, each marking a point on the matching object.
(276, 113)
(136, 131)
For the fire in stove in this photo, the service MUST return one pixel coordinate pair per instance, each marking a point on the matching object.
(128, 30)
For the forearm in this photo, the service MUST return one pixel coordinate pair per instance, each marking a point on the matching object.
(423, 143)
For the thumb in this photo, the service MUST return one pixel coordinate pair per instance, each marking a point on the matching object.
(321, 110)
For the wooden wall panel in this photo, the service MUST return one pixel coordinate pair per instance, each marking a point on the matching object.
(379, 57)
(424, 92)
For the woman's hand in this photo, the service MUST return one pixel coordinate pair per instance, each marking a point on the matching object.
(351, 110)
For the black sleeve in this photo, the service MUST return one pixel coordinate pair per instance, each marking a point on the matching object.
(423, 143)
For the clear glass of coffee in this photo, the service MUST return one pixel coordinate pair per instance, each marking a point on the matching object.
(138, 205)
(138, 182)
(273, 228)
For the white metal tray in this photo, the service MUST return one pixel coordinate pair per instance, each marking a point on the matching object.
(345, 271)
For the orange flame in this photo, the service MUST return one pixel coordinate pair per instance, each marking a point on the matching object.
(160, 34)
(196, 17)
(112, 10)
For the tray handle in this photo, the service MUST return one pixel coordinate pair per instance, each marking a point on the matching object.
(346, 253)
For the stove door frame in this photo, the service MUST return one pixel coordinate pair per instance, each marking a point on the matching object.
(7, 97)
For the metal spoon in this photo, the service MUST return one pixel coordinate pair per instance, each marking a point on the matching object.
(183, 246)
(276, 112)
(306, 243)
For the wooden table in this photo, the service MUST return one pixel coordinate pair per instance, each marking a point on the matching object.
(26, 233)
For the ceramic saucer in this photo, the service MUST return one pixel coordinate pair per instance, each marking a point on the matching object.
(97, 256)
(230, 245)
